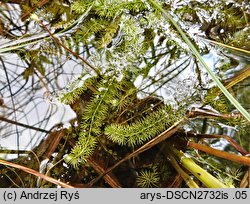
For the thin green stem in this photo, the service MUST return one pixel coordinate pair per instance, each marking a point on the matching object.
(189, 181)
(206, 178)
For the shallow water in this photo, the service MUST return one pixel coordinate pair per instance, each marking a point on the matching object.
(179, 83)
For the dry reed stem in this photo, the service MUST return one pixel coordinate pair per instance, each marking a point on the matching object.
(31, 171)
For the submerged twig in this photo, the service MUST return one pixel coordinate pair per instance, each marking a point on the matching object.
(66, 48)
(222, 154)
(227, 46)
(31, 171)
(237, 78)
(23, 125)
(196, 112)
(226, 137)
(33, 8)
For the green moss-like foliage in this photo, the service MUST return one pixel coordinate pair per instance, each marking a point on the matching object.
(148, 178)
(142, 130)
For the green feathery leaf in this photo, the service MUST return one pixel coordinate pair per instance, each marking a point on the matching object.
(83, 149)
(74, 91)
(92, 120)
(143, 129)
(148, 178)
